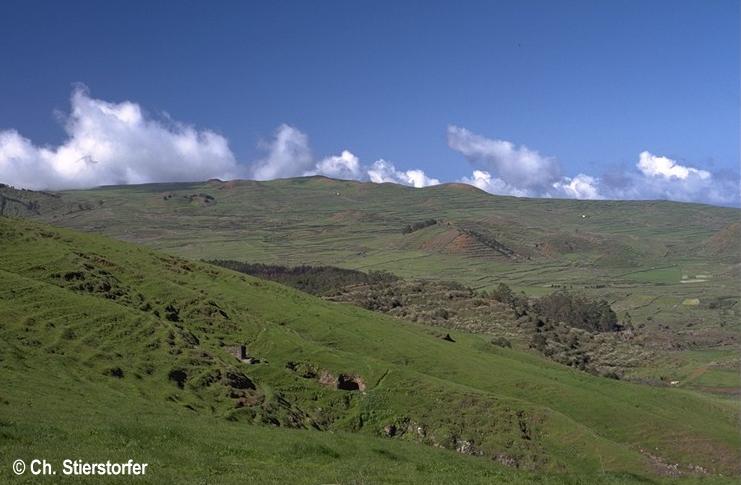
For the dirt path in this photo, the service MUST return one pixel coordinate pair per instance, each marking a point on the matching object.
(697, 373)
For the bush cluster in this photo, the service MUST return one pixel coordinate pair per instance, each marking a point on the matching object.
(317, 280)
(409, 228)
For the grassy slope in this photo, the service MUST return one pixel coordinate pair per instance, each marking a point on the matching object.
(318, 220)
(644, 256)
(250, 216)
(59, 346)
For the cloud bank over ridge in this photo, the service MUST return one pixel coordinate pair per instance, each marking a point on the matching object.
(118, 143)
(115, 143)
(505, 169)
(289, 155)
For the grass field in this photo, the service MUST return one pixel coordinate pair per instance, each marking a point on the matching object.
(112, 350)
(646, 257)
(667, 275)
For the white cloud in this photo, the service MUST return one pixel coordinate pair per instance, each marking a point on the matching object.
(289, 155)
(517, 171)
(115, 143)
(659, 177)
(580, 187)
(382, 171)
(520, 171)
(484, 180)
(656, 166)
(345, 166)
(418, 178)
(516, 166)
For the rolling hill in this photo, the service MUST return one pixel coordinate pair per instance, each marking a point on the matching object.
(354, 224)
(672, 268)
(112, 346)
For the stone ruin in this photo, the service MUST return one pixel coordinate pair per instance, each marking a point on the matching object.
(344, 382)
(241, 353)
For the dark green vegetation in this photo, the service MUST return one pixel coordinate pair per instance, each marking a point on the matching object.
(671, 269)
(317, 280)
(568, 328)
(112, 351)
(577, 311)
(409, 228)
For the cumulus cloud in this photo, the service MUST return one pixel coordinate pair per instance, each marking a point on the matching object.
(345, 166)
(655, 166)
(516, 166)
(507, 169)
(494, 185)
(118, 143)
(659, 177)
(382, 171)
(288, 155)
(115, 143)
(418, 178)
(580, 187)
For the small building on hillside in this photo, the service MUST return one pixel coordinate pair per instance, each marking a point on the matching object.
(238, 351)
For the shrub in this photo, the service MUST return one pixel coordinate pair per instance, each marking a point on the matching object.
(578, 311)
(317, 280)
(501, 342)
(409, 228)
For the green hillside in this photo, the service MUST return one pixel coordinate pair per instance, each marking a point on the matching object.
(111, 350)
(673, 268)
(477, 238)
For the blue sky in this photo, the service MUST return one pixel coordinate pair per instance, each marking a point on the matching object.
(586, 87)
